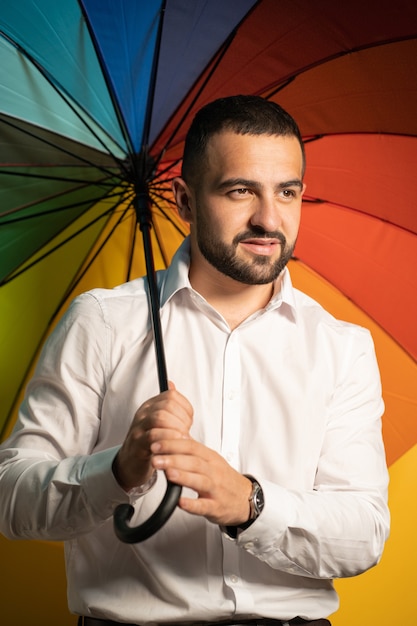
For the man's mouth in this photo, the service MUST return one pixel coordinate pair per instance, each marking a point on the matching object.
(262, 246)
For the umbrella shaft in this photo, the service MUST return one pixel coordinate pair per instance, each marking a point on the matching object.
(154, 306)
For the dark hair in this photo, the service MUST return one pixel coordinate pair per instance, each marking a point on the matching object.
(244, 115)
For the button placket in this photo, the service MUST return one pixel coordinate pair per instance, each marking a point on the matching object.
(231, 401)
(232, 408)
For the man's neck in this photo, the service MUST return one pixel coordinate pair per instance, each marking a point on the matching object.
(235, 301)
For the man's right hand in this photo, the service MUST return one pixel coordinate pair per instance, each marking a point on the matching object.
(167, 416)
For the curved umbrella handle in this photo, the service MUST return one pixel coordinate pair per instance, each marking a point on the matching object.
(123, 512)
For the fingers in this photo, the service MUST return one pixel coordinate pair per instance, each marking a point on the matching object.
(223, 493)
(166, 416)
(169, 410)
(159, 438)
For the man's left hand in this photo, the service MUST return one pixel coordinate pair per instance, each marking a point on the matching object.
(223, 493)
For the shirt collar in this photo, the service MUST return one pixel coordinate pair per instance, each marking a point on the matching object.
(176, 278)
(283, 292)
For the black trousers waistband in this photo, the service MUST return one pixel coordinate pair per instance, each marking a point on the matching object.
(93, 621)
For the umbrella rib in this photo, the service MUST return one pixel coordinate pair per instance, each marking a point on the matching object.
(311, 200)
(168, 168)
(157, 193)
(206, 81)
(84, 269)
(57, 178)
(159, 242)
(162, 184)
(107, 80)
(73, 205)
(62, 92)
(59, 148)
(332, 57)
(220, 54)
(153, 77)
(359, 305)
(280, 87)
(167, 216)
(15, 274)
(74, 283)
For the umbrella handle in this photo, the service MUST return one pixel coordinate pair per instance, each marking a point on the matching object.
(123, 512)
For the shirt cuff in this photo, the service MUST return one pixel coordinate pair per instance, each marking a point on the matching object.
(102, 490)
(140, 490)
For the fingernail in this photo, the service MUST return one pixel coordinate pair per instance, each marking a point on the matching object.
(158, 461)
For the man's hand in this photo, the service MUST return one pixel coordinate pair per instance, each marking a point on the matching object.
(223, 493)
(159, 438)
(164, 418)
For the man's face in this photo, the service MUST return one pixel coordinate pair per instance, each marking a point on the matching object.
(246, 205)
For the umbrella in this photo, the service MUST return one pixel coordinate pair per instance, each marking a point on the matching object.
(93, 91)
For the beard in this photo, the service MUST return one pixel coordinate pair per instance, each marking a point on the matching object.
(261, 270)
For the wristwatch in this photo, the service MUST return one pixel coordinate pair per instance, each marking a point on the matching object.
(256, 505)
(256, 502)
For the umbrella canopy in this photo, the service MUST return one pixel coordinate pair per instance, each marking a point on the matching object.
(96, 95)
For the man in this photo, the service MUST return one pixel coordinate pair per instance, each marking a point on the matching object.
(272, 424)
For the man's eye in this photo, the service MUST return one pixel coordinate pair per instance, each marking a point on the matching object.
(289, 193)
(240, 192)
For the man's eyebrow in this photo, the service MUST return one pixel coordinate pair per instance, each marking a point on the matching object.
(237, 182)
(297, 182)
(253, 184)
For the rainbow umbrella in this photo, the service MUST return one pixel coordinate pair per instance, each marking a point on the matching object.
(94, 92)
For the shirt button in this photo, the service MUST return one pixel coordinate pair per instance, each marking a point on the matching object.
(234, 579)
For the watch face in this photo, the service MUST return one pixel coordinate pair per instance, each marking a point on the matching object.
(256, 502)
(258, 499)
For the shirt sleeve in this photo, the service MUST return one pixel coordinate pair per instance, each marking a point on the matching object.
(338, 528)
(53, 484)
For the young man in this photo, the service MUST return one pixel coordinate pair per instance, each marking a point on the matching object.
(272, 424)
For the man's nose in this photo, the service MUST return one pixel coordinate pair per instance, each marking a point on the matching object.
(266, 214)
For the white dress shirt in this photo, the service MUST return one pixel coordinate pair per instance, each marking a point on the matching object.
(291, 396)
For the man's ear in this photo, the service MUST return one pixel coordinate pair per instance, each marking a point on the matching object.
(182, 197)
